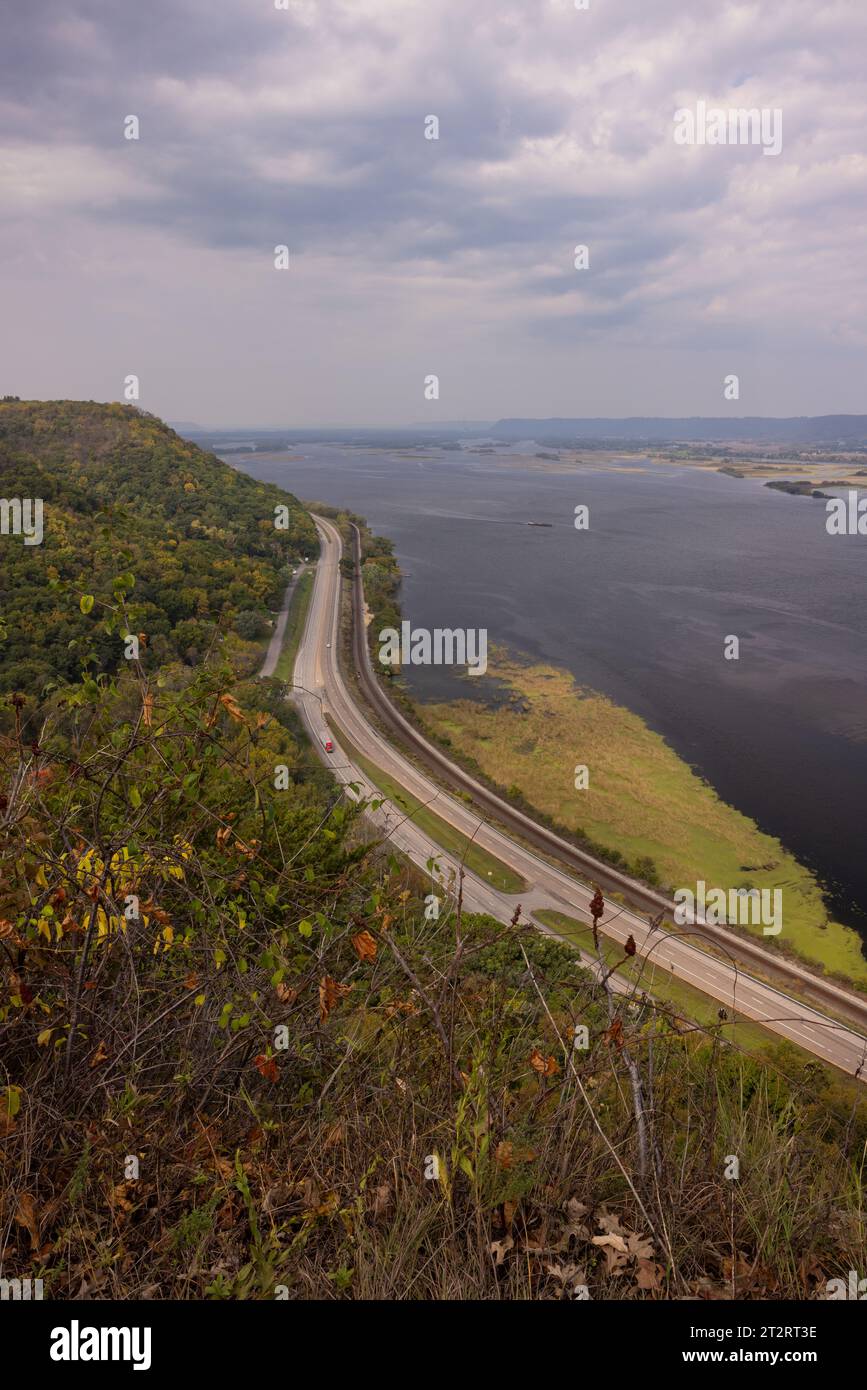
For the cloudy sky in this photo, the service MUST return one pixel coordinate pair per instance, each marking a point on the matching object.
(305, 126)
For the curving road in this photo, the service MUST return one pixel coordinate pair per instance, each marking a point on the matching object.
(321, 691)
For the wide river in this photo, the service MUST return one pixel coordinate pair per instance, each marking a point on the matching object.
(639, 606)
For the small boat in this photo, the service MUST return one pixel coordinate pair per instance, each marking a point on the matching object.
(540, 523)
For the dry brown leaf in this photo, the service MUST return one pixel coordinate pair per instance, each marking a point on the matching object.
(25, 1215)
(329, 994)
(640, 1247)
(572, 1275)
(610, 1221)
(614, 1249)
(334, 1135)
(232, 708)
(615, 1242)
(503, 1154)
(545, 1066)
(147, 710)
(365, 946)
(649, 1274)
(500, 1248)
(118, 1198)
(382, 1199)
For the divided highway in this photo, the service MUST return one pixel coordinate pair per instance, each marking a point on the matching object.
(321, 692)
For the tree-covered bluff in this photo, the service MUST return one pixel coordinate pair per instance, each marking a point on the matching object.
(124, 496)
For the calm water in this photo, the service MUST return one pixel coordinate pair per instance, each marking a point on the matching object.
(639, 606)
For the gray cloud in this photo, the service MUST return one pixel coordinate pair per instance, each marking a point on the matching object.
(305, 127)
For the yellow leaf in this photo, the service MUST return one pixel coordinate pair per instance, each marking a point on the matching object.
(44, 1037)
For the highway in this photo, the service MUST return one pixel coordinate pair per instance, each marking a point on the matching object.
(321, 691)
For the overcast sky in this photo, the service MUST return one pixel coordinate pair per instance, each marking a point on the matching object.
(305, 126)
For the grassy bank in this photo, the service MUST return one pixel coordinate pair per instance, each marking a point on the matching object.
(642, 800)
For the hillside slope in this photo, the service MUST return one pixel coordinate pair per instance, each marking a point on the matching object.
(123, 494)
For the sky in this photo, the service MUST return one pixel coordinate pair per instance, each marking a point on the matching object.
(409, 257)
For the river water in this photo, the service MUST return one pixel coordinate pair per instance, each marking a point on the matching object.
(639, 606)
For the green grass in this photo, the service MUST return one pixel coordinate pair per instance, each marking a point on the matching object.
(486, 866)
(294, 627)
(683, 998)
(642, 799)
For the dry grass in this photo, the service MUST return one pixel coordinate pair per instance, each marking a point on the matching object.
(642, 801)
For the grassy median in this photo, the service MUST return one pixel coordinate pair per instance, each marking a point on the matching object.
(294, 627)
(486, 866)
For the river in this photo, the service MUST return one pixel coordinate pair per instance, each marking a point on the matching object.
(639, 606)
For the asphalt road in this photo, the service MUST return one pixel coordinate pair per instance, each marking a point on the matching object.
(275, 646)
(321, 690)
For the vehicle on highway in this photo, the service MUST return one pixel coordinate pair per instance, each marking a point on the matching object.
(328, 745)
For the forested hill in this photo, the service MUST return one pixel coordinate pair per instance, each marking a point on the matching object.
(123, 496)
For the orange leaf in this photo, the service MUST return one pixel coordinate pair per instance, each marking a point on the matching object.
(232, 708)
(329, 994)
(364, 945)
(267, 1066)
(545, 1066)
(147, 711)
